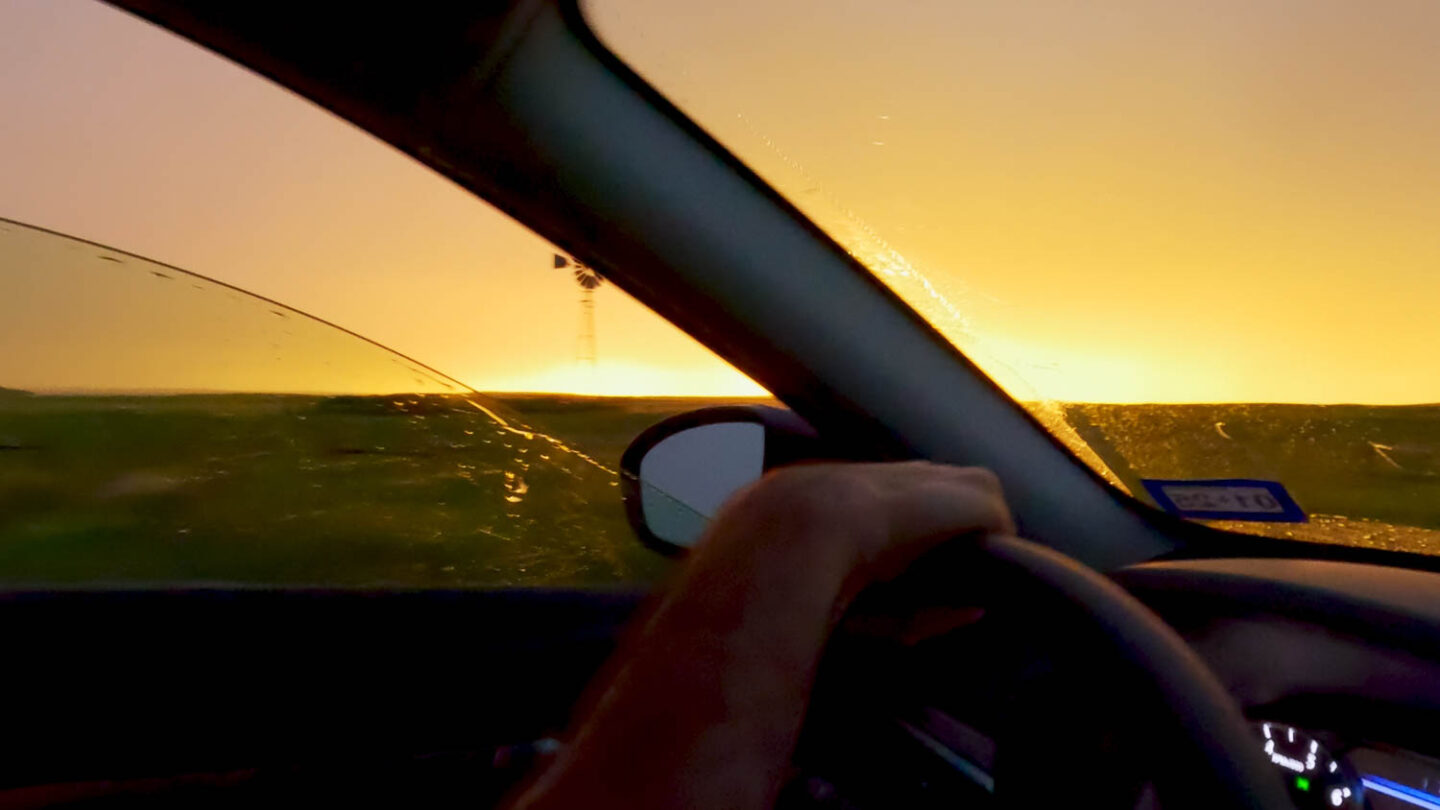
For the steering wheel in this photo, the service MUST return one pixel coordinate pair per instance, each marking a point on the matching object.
(1187, 702)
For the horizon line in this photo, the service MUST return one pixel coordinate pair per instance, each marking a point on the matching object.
(178, 392)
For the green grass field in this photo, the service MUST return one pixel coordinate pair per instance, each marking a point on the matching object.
(430, 491)
(407, 490)
(1367, 475)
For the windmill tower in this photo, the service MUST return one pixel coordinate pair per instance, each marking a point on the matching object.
(588, 280)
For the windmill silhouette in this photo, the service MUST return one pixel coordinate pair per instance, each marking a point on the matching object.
(589, 280)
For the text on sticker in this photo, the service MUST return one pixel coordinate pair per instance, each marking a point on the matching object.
(1200, 498)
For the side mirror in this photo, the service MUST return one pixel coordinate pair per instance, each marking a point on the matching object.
(676, 474)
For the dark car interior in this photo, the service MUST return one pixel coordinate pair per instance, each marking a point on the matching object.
(251, 696)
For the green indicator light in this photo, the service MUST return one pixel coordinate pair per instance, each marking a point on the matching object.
(1302, 783)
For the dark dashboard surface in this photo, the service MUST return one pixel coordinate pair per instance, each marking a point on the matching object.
(1337, 665)
(1331, 659)
(1350, 648)
(149, 684)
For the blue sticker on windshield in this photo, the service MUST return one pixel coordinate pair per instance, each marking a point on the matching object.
(1225, 499)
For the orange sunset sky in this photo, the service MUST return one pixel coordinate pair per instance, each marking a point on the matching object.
(1125, 201)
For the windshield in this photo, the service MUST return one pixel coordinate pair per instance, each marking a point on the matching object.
(1197, 240)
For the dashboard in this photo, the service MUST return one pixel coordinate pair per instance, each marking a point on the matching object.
(1336, 664)
(1323, 771)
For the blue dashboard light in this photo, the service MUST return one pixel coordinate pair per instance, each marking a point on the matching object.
(1404, 793)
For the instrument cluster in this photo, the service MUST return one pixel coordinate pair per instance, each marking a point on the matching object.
(1321, 775)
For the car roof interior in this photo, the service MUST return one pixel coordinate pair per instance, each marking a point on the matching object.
(521, 104)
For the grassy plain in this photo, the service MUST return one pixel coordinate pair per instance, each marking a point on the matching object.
(424, 491)
(431, 491)
(1367, 475)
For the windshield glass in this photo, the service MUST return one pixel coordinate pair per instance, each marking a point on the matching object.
(1197, 240)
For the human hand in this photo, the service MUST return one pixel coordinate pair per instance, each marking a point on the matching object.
(705, 702)
(853, 524)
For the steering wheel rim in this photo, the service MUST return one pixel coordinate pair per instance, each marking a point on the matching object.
(1203, 712)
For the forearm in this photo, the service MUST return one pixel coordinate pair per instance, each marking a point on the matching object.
(706, 708)
(706, 711)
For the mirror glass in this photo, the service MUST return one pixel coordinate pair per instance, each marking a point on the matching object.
(686, 476)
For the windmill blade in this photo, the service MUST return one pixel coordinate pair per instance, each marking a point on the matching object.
(587, 278)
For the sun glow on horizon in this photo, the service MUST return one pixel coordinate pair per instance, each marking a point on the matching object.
(123, 135)
(630, 378)
(1230, 202)
(1134, 202)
